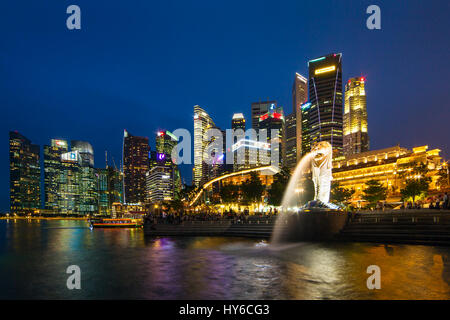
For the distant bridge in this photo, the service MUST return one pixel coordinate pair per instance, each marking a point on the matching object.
(270, 169)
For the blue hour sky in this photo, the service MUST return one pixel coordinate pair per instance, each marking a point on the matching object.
(142, 65)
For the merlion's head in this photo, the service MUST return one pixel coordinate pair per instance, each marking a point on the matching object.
(321, 150)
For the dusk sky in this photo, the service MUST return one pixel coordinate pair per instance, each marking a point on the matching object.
(143, 65)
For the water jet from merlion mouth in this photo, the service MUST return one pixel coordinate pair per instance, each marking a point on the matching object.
(297, 222)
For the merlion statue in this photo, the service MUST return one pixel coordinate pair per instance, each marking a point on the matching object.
(321, 170)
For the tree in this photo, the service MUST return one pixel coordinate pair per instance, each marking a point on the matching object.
(339, 194)
(443, 180)
(229, 193)
(414, 188)
(374, 192)
(252, 189)
(417, 182)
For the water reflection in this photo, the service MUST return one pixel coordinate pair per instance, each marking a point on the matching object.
(123, 264)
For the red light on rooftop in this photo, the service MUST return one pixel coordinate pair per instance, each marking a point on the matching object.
(277, 115)
(363, 79)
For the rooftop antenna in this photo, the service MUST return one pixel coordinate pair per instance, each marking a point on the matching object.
(114, 163)
(106, 159)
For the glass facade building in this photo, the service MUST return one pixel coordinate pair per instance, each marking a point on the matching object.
(324, 115)
(202, 123)
(53, 169)
(299, 97)
(25, 175)
(88, 202)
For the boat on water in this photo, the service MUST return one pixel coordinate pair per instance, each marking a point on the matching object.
(116, 223)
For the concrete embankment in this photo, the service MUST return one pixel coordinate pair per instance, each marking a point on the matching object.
(254, 228)
(430, 227)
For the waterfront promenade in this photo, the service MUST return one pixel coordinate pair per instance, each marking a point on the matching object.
(431, 227)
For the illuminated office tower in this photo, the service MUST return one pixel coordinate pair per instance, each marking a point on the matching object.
(274, 120)
(102, 191)
(24, 175)
(238, 122)
(135, 167)
(202, 122)
(110, 189)
(163, 180)
(251, 151)
(53, 168)
(88, 202)
(165, 142)
(70, 185)
(306, 142)
(356, 137)
(115, 186)
(260, 108)
(324, 121)
(299, 97)
(290, 160)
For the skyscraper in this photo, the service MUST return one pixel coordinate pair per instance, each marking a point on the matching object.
(274, 120)
(24, 175)
(165, 142)
(356, 137)
(110, 189)
(299, 97)
(69, 191)
(290, 160)
(260, 108)
(161, 180)
(53, 169)
(135, 166)
(238, 122)
(202, 122)
(324, 121)
(88, 202)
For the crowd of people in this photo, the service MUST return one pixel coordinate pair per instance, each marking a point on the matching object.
(243, 216)
(438, 202)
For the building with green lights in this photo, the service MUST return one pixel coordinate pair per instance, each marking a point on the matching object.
(110, 189)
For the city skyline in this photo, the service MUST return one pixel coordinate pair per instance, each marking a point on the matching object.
(393, 73)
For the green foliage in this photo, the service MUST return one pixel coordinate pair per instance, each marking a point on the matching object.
(417, 182)
(229, 193)
(252, 189)
(339, 194)
(374, 192)
(414, 188)
(443, 177)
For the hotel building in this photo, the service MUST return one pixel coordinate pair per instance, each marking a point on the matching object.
(389, 166)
